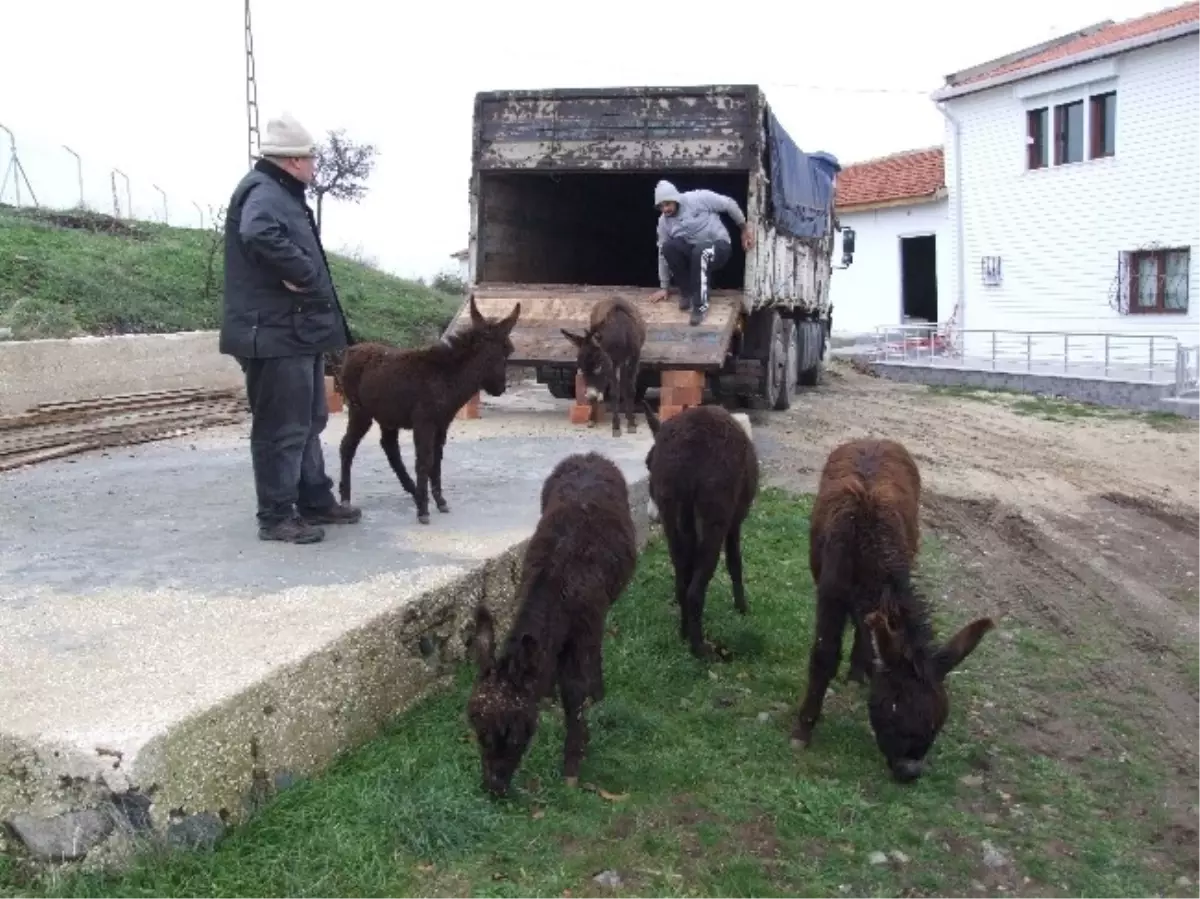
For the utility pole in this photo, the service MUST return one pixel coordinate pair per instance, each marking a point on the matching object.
(252, 136)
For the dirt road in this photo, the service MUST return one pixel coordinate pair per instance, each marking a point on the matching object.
(1086, 525)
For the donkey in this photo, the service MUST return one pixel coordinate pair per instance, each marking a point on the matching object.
(609, 357)
(580, 559)
(421, 390)
(863, 540)
(703, 479)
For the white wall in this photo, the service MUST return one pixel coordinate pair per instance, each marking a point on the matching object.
(868, 293)
(1059, 230)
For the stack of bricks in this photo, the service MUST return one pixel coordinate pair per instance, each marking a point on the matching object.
(680, 390)
(470, 410)
(581, 409)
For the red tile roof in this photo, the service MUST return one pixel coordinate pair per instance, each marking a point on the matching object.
(1092, 38)
(911, 175)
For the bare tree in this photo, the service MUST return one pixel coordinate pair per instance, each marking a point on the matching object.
(216, 240)
(343, 168)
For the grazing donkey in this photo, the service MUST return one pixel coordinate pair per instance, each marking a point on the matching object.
(864, 537)
(579, 560)
(609, 357)
(703, 480)
(421, 390)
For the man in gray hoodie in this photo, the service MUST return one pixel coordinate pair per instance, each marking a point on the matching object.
(693, 243)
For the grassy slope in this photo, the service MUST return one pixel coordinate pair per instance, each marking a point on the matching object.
(716, 801)
(62, 282)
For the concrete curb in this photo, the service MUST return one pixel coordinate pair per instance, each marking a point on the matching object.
(219, 766)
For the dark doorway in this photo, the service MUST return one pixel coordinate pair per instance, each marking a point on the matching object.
(918, 278)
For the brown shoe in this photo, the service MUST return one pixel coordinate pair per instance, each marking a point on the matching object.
(291, 530)
(335, 514)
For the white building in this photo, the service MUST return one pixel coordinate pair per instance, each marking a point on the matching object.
(462, 257)
(1073, 170)
(903, 270)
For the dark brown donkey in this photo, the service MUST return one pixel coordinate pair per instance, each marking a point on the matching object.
(421, 390)
(610, 355)
(703, 480)
(579, 560)
(864, 538)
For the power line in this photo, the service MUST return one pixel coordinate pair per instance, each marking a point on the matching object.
(825, 88)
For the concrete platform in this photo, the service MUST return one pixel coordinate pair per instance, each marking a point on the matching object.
(155, 655)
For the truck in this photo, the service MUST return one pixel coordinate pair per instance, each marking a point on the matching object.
(562, 214)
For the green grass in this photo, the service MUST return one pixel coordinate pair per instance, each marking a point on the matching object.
(68, 281)
(717, 802)
(1056, 409)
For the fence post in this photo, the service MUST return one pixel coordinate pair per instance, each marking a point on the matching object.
(1106, 353)
(201, 211)
(1151, 357)
(79, 172)
(163, 193)
(128, 194)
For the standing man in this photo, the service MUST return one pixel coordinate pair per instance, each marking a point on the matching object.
(693, 243)
(281, 316)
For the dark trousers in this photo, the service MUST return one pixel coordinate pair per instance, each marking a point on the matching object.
(692, 265)
(289, 412)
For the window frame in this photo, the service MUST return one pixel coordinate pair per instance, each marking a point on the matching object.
(1098, 116)
(1061, 136)
(1160, 295)
(1037, 147)
(1046, 127)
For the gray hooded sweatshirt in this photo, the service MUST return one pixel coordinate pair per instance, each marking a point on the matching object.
(697, 221)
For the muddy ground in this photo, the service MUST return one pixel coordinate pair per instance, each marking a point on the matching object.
(1087, 526)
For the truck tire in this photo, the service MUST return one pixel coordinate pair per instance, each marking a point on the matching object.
(786, 370)
(561, 390)
(805, 332)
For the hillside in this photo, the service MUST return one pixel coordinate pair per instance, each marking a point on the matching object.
(68, 274)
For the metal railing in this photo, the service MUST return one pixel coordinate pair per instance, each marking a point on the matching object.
(1187, 369)
(1141, 357)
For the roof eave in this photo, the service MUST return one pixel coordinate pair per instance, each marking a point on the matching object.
(940, 194)
(1113, 49)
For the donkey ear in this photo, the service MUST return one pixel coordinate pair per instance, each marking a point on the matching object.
(510, 321)
(960, 646)
(651, 419)
(483, 644)
(476, 315)
(888, 641)
(576, 339)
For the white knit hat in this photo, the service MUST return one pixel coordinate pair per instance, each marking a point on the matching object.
(286, 137)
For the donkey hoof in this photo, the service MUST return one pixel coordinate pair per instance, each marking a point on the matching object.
(571, 782)
(797, 743)
(443, 506)
(423, 517)
(616, 432)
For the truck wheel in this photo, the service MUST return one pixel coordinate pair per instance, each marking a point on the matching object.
(561, 390)
(811, 376)
(773, 390)
(785, 358)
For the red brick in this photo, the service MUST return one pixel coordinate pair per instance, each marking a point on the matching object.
(333, 399)
(470, 410)
(683, 379)
(665, 411)
(581, 413)
(682, 396)
(580, 388)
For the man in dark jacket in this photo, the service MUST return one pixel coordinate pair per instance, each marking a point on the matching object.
(281, 316)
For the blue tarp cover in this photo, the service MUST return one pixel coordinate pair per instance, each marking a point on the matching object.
(801, 185)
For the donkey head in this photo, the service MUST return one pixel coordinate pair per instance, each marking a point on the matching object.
(655, 424)
(503, 708)
(908, 703)
(494, 346)
(593, 362)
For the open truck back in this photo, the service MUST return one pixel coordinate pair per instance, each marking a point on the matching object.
(562, 214)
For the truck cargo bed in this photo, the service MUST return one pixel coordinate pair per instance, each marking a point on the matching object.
(548, 308)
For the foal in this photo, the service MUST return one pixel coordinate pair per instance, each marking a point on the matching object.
(609, 357)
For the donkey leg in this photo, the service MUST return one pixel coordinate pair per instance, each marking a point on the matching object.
(436, 474)
(390, 441)
(618, 394)
(681, 545)
(629, 382)
(708, 554)
(860, 655)
(822, 666)
(356, 429)
(573, 684)
(733, 563)
(424, 439)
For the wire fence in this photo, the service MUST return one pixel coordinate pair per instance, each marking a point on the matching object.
(36, 173)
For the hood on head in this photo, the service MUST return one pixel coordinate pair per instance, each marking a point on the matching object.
(665, 192)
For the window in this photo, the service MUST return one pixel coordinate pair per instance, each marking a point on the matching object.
(1158, 281)
(1068, 133)
(1103, 114)
(1038, 156)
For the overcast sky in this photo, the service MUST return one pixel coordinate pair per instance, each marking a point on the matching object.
(156, 88)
